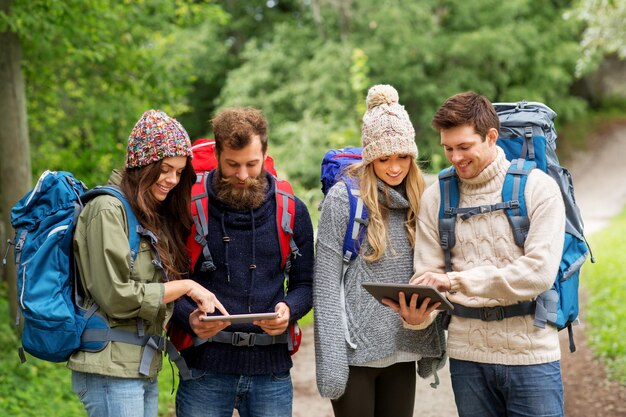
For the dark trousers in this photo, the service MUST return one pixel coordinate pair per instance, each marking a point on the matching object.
(378, 392)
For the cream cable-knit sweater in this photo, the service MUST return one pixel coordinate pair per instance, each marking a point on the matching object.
(490, 270)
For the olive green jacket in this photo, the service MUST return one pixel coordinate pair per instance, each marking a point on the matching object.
(102, 254)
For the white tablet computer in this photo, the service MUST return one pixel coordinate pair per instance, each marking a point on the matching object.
(388, 290)
(241, 318)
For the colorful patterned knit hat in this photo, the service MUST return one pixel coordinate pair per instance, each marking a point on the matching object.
(387, 129)
(154, 137)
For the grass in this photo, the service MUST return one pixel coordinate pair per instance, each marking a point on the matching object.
(605, 310)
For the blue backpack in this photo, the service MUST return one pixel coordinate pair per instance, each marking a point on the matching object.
(528, 138)
(49, 298)
(333, 169)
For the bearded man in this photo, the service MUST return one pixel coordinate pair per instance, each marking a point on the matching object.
(245, 366)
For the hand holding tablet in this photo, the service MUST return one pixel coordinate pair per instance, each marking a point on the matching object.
(241, 318)
(390, 291)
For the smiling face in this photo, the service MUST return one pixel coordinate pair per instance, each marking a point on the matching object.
(241, 164)
(467, 151)
(392, 169)
(241, 182)
(171, 170)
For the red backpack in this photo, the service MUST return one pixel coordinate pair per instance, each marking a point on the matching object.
(204, 160)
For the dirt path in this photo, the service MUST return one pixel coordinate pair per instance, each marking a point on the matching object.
(601, 194)
(599, 178)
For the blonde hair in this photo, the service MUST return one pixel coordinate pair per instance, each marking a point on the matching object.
(378, 213)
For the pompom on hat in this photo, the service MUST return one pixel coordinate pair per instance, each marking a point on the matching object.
(156, 136)
(387, 128)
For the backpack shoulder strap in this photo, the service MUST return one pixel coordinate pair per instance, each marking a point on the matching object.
(134, 228)
(449, 192)
(513, 192)
(196, 242)
(355, 232)
(357, 222)
(285, 219)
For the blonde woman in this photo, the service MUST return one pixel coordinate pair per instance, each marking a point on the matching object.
(369, 368)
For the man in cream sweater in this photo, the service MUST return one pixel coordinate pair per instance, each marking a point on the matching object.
(505, 367)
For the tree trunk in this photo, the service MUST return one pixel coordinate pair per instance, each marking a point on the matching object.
(15, 168)
(317, 18)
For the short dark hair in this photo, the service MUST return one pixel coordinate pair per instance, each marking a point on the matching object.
(235, 127)
(467, 108)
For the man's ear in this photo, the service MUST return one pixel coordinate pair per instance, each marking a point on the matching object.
(492, 135)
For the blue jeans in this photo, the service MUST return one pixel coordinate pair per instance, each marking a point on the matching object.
(217, 395)
(492, 390)
(108, 396)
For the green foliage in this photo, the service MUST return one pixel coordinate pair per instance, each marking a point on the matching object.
(605, 313)
(508, 51)
(604, 33)
(303, 75)
(303, 116)
(92, 67)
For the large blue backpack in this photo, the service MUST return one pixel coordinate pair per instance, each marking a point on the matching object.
(528, 138)
(50, 301)
(333, 170)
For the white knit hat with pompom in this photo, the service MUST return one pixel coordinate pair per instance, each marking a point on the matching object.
(387, 129)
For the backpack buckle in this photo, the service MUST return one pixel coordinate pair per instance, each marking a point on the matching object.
(243, 339)
(20, 242)
(492, 313)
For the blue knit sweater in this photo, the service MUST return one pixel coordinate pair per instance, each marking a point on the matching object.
(253, 240)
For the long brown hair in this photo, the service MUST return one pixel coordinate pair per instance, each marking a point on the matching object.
(170, 219)
(378, 213)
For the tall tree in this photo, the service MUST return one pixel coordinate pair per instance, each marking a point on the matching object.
(15, 172)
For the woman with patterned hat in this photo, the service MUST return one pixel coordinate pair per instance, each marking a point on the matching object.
(365, 359)
(134, 293)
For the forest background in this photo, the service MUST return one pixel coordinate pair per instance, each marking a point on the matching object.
(75, 75)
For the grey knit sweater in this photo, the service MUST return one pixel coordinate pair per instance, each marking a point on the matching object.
(376, 330)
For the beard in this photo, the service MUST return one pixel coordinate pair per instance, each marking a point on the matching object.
(248, 196)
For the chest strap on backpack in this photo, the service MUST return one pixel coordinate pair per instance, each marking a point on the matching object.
(513, 205)
(496, 313)
(243, 339)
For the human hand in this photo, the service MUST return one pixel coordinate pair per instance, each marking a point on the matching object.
(279, 325)
(439, 281)
(207, 301)
(205, 329)
(413, 314)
